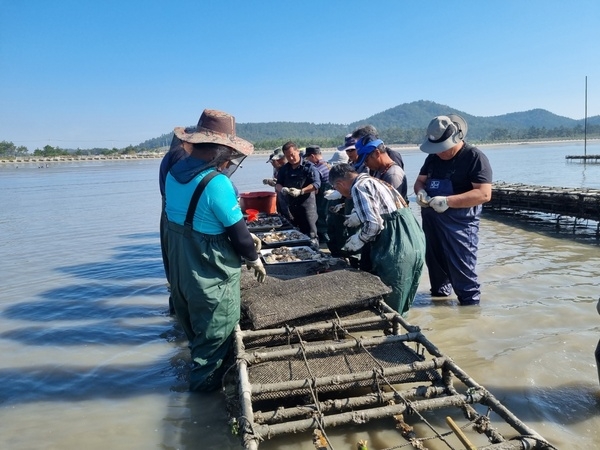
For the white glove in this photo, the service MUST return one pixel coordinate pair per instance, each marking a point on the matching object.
(270, 181)
(259, 270)
(257, 242)
(352, 220)
(354, 244)
(294, 192)
(439, 203)
(337, 208)
(332, 194)
(423, 198)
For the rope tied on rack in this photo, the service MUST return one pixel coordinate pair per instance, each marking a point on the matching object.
(318, 413)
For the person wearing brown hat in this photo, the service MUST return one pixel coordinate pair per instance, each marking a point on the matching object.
(455, 180)
(207, 240)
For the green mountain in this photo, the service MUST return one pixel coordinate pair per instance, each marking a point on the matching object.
(406, 124)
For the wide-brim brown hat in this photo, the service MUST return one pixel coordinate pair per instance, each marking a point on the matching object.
(215, 127)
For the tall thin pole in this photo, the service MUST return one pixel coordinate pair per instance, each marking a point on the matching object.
(585, 122)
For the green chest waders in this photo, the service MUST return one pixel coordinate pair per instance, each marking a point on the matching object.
(205, 286)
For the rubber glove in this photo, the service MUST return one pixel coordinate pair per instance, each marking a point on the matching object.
(439, 203)
(270, 181)
(285, 191)
(259, 270)
(257, 242)
(337, 208)
(294, 192)
(352, 220)
(332, 194)
(354, 244)
(423, 198)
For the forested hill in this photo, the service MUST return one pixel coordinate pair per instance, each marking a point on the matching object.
(406, 124)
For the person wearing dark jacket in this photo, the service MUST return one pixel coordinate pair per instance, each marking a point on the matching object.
(299, 180)
(207, 241)
(314, 155)
(176, 153)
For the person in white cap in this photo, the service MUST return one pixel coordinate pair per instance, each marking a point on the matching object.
(455, 180)
(340, 156)
(207, 240)
(278, 160)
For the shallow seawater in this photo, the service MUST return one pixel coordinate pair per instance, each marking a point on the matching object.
(91, 359)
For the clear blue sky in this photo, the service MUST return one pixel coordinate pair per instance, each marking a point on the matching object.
(110, 73)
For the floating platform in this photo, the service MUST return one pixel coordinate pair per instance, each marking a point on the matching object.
(321, 350)
(584, 158)
(574, 202)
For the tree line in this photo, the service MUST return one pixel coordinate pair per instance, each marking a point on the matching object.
(391, 136)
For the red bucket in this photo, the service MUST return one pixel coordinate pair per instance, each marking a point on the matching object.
(262, 201)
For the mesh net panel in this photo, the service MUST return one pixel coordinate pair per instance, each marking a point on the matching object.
(278, 303)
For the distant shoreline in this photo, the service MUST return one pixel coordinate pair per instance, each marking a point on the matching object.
(80, 158)
(38, 159)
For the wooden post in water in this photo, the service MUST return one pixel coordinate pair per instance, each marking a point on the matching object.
(585, 123)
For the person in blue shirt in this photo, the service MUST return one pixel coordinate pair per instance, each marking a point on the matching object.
(207, 239)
